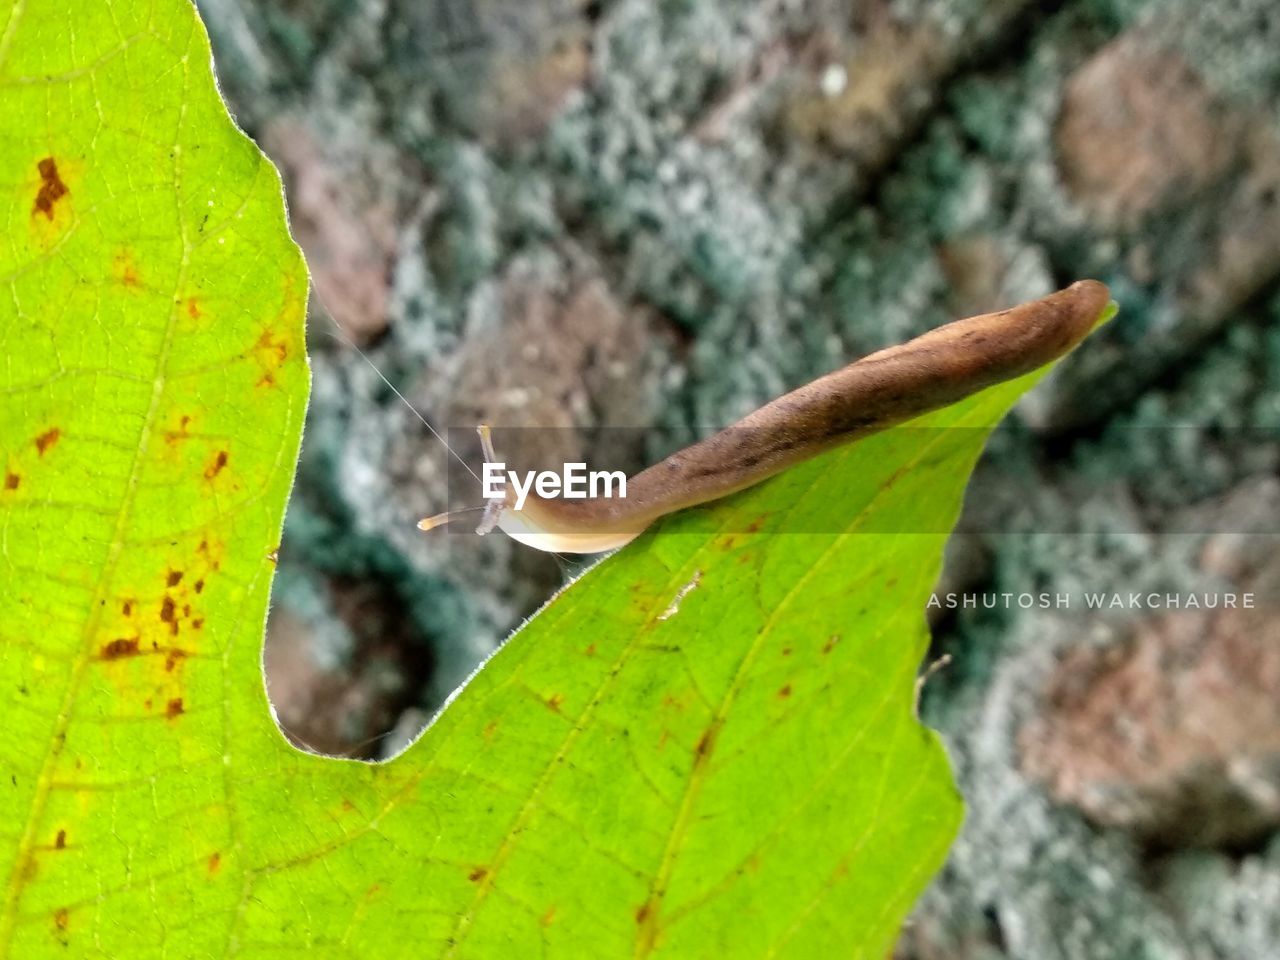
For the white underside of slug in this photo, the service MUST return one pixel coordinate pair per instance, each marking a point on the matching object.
(515, 526)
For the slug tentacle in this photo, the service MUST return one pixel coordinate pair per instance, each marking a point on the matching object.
(881, 390)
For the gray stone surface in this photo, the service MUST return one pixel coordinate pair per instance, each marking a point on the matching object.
(591, 214)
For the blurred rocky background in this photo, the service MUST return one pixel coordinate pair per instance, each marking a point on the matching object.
(588, 214)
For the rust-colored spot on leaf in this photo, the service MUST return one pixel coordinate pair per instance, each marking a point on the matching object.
(706, 743)
(478, 874)
(266, 381)
(831, 643)
(174, 578)
(591, 650)
(46, 440)
(197, 623)
(167, 610)
(61, 842)
(193, 308)
(549, 917)
(216, 466)
(61, 917)
(126, 608)
(173, 658)
(52, 189)
(212, 553)
(643, 911)
(272, 350)
(198, 586)
(755, 525)
(489, 730)
(786, 651)
(174, 708)
(785, 691)
(554, 702)
(11, 481)
(215, 862)
(126, 271)
(120, 647)
(174, 437)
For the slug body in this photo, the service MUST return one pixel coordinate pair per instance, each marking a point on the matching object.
(885, 388)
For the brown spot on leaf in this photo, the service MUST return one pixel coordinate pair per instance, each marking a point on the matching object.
(172, 437)
(831, 643)
(173, 658)
(46, 440)
(555, 701)
(706, 743)
(591, 650)
(11, 481)
(126, 270)
(490, 729)
(197, 623)
(478, 874)
(174, 578)
(786, 651)
(174, 708)
(193, 308)
(215, 467)
(52, 189)
(61, 917)
(549, 917)
(785, 691)
(272, 351)
(120, 647)
(266, 381)
(127, 608)
(198, 586)
(212, 553)
(167, 610)
(215, 862)
(61, 842)
(642, 912)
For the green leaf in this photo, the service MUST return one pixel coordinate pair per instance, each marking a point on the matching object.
(706, 747)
